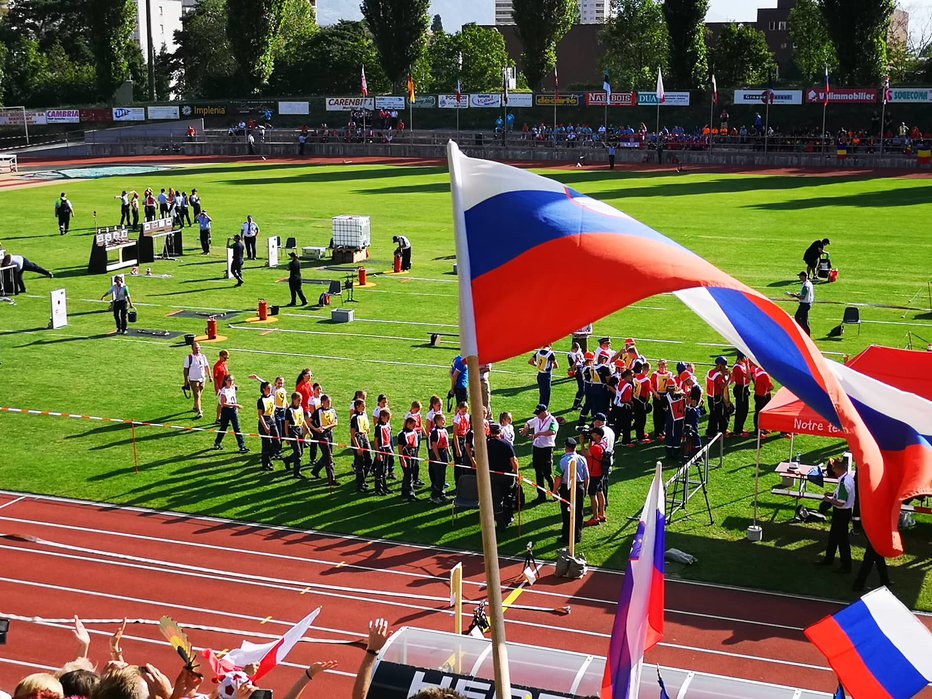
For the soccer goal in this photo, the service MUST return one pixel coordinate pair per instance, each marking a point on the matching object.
(8, 163)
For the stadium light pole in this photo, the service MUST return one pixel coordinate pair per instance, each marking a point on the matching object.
(150, 47)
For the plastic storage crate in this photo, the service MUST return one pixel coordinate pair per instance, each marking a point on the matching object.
(351, 232)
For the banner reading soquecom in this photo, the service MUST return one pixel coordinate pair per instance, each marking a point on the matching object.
(911, 94)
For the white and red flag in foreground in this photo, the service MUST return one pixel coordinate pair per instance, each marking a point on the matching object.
(270, 654)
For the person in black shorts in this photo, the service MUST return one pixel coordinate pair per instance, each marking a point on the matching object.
(239, 252)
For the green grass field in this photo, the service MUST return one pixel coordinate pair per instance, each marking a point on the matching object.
(754, 227)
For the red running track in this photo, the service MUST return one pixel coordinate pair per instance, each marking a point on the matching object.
(247, 579)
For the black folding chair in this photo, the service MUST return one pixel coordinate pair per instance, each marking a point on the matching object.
(852, 317)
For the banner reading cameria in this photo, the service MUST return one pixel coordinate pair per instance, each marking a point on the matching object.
(163, 112)
(779, 96)
(558, 100)
(450, 102)
(671, 99)
(619, 99)
(62, 116)
(816, 95)
(347, 104)
(911, 94)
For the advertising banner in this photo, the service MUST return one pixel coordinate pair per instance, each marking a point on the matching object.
(203, 110)
(390, 102)
(348, 104)
(816, 95)
(425, 101)
(163, 112)
(394, 681)
(619, 99)
(96, 116)
(911, 94)
(558, 100)
(247, 107)
(520, 99)
(294, 108)
(450, 102)
(485, 100)
(62, 116)
(779, 96)
(129, 114)
(14, 117)
(673, 99)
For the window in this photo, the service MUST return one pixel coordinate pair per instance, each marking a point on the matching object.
(772, 26)
(781, 26)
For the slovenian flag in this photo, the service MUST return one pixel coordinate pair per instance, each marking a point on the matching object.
(268, 655)
(661, 95)
(512, 226)
(878, 648)
(607, 86)
(363, 85)
(638, 623)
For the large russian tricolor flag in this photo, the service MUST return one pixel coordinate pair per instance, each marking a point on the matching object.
(527, 244)
(639, 619)
(878, 648)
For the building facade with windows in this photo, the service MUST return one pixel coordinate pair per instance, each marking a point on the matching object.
(590, 11)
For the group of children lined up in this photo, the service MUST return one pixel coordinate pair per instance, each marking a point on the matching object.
(305, 420)
(622, 386)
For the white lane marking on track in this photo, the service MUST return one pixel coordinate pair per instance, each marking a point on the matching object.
(320, 628)
(12, 502)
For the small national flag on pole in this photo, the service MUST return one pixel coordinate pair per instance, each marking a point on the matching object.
(877, 647)
(268, 655)
(639, 620)
(607, 86)
(459, 90)
(661, 95)
(556, 82)
(827, 89)
(363, 85)
(714, 90)
(505, 85)
(411, 88)
(886, 88)
(459, 69)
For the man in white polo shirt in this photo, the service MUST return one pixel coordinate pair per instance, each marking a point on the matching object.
(542, 428)
(806, 298)
(250, 233)
(196, 372)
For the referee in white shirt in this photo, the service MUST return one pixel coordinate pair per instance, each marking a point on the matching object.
(806, 296)
(250, 232)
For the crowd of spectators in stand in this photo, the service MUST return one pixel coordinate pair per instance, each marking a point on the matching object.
(115, 678)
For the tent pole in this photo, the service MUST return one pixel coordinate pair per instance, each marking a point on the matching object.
(757, 478)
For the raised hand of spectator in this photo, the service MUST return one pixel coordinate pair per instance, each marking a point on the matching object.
(116, 649)
(245, 690)
(82, 636)
(378, 634)
(187, 683)
(159, 684)
(315, 669)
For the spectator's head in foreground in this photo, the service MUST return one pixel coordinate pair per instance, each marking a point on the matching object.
(79, 683)
(438, 693)
(123, 683)
(39, 685)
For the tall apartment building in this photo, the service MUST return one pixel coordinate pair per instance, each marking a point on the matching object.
(590, 11)
(166, 19)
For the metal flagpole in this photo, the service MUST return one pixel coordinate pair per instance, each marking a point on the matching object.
(658, 122)
(824, 109)
(883, 109)
(711, 118)
(483, 477)
(459, 86)
(767, 123)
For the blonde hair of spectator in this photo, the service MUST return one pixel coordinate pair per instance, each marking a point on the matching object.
(39, 685)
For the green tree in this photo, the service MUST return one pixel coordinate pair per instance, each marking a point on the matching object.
(111, 30)
(253, 28)
(164, 73)
(742, 57)
(399, 29)
(298, 25)
(689, 63)
(484, 54)
(858, 29)
(436, 25)
(540, 24)
(813, 48)
(203, 54)
(636, 43)
(331, 60)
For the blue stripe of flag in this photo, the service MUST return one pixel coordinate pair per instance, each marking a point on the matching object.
(892, 670)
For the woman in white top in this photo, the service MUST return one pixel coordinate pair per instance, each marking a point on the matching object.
(229, 414)
(119, 293)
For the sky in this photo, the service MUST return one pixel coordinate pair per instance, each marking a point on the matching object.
(457, 12)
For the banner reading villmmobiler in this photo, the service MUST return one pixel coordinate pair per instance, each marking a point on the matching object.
(837, 95)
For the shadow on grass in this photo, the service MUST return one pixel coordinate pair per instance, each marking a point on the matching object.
(328, 175)
(913, 196)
